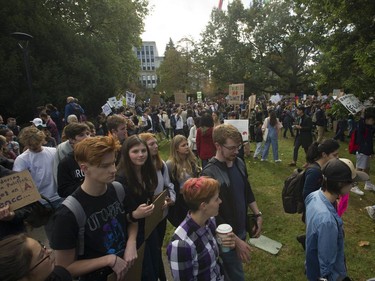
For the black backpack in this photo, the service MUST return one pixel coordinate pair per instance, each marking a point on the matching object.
(292, 192)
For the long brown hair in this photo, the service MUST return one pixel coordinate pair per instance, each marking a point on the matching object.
(126, 168)
(180, 165)
(15, 258)
(156, 159)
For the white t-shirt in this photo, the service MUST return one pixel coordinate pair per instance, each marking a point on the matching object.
(40, 166)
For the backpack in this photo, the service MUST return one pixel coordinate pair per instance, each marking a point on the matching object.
(173, 121)
(353, 143)
(292, 192)
(76, 208)
(291, 195)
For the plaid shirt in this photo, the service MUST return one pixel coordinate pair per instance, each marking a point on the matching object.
(193, 252)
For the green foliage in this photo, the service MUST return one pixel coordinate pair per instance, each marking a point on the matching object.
(83, 49)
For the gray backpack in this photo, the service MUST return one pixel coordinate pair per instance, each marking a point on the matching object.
(76, 208)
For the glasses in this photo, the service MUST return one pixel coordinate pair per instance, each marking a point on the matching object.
(46, 254)
(232, 148)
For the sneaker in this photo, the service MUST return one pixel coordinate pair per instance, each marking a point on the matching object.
(277, 160)
(369, 186)
(356, 190)
(371, 212)
(255, 157)
(263, 160)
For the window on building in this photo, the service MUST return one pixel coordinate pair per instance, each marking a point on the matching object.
(153, 67)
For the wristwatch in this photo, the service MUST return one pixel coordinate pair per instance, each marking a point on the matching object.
(258, 215)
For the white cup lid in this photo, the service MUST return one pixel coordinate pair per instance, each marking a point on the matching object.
(224, 228)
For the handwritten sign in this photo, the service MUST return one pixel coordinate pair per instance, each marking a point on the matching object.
(351, 103)
(180, 98)
(155, 100)
(236, 93)
(18, 190)
(252, 101)
(242, 126)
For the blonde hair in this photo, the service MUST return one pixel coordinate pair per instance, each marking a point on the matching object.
(31, 136)
(179, 164)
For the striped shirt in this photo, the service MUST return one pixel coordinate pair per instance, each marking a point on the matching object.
(193, 252)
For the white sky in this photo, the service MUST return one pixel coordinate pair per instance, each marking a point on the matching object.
(177, 19)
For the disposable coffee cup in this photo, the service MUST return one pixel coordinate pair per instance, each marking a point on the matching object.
(221, 232)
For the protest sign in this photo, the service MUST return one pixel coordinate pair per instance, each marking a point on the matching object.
(351, 103)
(157, 215)
(242, 126)
(180, 98)
(199, 96)
(252, 101)
(18, 190)
(112, 101)
(130, 99)
(106, 109)
(155, 100)
(236, 93)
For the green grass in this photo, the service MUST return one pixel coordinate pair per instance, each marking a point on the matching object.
(266, 179)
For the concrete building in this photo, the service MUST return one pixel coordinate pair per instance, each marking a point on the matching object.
(149, 62)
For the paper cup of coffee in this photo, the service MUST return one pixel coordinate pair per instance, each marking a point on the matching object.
(221, 232)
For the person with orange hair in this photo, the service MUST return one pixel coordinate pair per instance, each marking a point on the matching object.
(193, 251)
(109, 233)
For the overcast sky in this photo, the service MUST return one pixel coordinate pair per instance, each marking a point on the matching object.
(177, 19)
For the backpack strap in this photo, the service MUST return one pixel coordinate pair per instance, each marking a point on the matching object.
(76, 208)
(120, 191)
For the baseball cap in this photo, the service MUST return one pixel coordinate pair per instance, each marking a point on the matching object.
(38, 122)
(343, 170)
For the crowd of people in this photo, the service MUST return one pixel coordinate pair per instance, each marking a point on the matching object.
(102, 177)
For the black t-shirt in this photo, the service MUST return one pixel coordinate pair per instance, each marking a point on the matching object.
(105, 230)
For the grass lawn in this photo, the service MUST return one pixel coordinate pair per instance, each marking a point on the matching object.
(266, 179)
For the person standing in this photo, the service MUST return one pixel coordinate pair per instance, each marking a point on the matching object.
(205, 146)
(273, 125)
(303, 133)
(109, 233)
(72, 107)
(236, 195)
(325, 257)
(365, 142)
(195, 236)
(320, 122)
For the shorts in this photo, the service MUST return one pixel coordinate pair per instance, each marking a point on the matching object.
(362, 161)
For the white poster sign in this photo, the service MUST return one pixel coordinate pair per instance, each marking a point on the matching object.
(351, 103)
(106, 109)
(112, 101)
(242, 126)
(130, 99)
(236, 93)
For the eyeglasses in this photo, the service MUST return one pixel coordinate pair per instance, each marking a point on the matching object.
(46, 253)
(232, 148)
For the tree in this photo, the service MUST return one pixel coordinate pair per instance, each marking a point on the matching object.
(80, 48)
(347, 49)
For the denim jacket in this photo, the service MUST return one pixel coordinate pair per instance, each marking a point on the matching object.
(324, 239)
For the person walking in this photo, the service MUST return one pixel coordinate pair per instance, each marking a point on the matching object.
(273, 126)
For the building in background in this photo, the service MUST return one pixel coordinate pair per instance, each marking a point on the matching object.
(149, 62)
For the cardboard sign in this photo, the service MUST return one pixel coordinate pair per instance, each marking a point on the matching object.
(155, 100)
(242, 126)
(351, 103)
(157, 215)
(236, 93)
(18, 190)
(180, 98)
(252, 101)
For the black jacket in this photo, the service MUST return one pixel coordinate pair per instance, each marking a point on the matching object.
(219, 171)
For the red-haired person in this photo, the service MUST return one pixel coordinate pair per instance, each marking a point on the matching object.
(193, 251)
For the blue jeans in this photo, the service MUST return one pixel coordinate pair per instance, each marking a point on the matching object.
(275, 148)
(232, 264)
